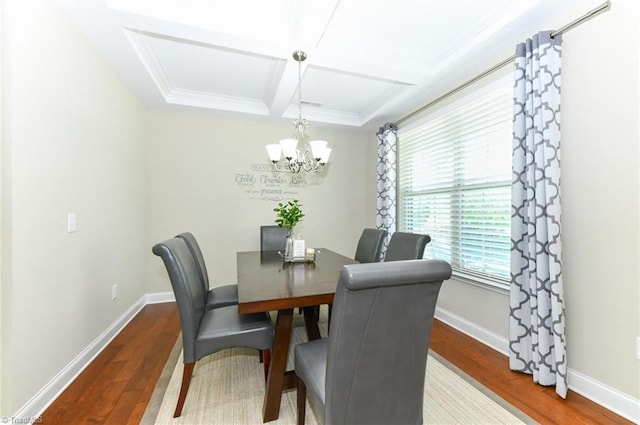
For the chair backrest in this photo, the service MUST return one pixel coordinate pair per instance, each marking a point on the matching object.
(273, 238)
(370, 245)
(379, 340)
(406, 246)
(187, 288)
(194, 247)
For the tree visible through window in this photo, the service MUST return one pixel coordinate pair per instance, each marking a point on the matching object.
(454, 182)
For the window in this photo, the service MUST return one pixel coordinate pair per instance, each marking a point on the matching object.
(454, 183)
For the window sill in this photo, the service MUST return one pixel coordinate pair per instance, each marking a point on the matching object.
(491, 285)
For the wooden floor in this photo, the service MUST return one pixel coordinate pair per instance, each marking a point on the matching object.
(116, 387)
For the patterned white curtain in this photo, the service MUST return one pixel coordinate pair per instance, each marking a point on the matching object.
(386, 193)
(537, 343)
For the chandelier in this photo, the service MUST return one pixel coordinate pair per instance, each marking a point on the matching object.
(296, 154)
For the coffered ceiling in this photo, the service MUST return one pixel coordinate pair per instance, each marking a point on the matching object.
(369, 61)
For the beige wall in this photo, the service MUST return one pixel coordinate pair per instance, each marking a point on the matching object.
(600, 198)
(72, 141)
(196, 161)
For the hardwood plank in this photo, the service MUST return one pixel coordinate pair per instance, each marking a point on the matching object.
(122, 409)
(139, 352)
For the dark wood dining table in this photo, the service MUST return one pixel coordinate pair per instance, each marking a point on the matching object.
(266, 283)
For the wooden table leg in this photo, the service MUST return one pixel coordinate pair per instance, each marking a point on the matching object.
(311, 318)
(279, 353)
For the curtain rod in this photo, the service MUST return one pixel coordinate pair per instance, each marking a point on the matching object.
(603, 7)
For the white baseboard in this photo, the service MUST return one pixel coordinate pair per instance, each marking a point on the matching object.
(483, 335)
(610, 398)
(159, 297)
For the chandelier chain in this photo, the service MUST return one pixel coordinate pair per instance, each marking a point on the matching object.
(300, 89)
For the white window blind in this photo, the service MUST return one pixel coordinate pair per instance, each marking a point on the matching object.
(454, 183)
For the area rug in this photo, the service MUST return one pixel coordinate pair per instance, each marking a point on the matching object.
(228, 388)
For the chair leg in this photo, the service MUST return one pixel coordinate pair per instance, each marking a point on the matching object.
(266, 356)
(302, 399)
(186, 380)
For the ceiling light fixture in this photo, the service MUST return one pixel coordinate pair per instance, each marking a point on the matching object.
(294, 155)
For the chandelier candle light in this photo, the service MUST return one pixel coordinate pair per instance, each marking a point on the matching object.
(298, 154)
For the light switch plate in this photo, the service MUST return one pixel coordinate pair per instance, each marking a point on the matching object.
(638, 347)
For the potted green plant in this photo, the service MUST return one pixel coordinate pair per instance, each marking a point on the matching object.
(288, 215)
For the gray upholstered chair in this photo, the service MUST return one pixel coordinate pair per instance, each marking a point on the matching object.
(368, 250)
(273, 238)
(371, 368)
(370, 245)
(406, 246)
(205, 332)
(220, 296)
